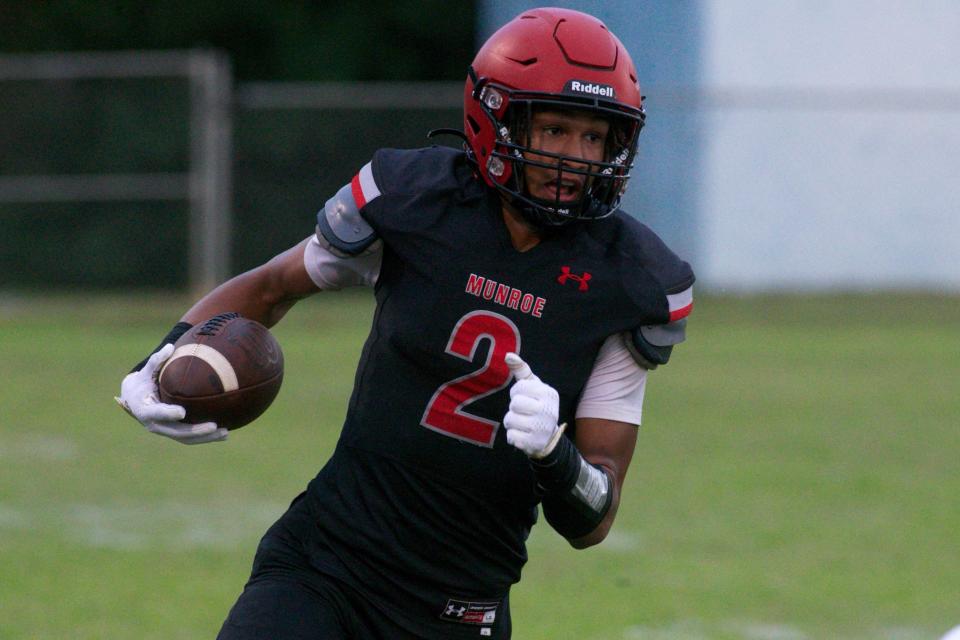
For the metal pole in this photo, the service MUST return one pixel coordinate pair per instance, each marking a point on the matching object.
(210, 176)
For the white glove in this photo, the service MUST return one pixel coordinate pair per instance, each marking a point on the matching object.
(139, 398)
(531, 422)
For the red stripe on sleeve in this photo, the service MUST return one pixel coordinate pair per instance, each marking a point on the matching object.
(681, 313)
(357, 192)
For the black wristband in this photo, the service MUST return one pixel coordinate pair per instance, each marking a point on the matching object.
(178, 330)
(558, 470)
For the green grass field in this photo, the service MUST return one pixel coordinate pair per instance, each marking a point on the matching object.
(797, 476)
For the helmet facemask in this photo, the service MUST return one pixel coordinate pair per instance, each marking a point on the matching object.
(603, 181)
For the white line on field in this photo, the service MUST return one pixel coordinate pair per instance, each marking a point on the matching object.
(754, 630)
(617, 541)
(902, 633)
(620, 541)
(172, 525)
(168, 525)
(13, 518)
(766, 631)
(679, 630)
(38, 447)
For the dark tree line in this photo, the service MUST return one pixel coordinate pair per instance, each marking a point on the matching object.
(279, 40)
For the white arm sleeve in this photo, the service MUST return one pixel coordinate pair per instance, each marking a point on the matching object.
(331, 273)
(616, 385)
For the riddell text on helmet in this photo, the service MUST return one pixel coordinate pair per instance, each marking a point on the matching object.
(579, 86)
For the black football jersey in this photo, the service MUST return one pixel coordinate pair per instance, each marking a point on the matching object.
(424, 503)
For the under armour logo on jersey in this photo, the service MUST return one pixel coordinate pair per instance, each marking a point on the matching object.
(471, 612)
(566, 275)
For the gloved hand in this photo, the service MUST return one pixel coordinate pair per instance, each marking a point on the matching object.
(531, 421)
(139, 397)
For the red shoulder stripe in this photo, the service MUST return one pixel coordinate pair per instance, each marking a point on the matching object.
(681, 304)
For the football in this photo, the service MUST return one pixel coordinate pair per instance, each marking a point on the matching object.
(226, 370)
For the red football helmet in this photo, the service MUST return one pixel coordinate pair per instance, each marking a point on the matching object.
(558, 59)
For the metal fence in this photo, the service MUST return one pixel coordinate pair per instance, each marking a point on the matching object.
(154, 169)
(204, 183)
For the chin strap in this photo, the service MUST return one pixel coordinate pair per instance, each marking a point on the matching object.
(444, 131)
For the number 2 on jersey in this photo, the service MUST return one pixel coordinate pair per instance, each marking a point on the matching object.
(445, 412)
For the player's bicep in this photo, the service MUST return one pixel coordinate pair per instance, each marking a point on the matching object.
(610, 408)
(616, 386)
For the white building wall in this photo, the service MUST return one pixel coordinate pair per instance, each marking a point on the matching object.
(795, 144)
(831, 144)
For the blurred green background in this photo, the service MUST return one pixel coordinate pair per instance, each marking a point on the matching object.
(795, 477)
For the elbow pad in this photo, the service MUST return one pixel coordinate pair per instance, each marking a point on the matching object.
(341, 228)
(652, 345)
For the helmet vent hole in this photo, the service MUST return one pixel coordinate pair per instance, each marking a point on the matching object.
(473, 125)
(526, 62)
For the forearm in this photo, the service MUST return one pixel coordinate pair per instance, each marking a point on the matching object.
(597, 461)
(580, 481)
(244, 294)
(600, 531)
(579, 497)
(263, 294)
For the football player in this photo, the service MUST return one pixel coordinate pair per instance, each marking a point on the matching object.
(518, 313)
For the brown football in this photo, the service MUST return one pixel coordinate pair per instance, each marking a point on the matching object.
(226, 370)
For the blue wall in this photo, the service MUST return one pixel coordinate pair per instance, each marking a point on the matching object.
(663, 37)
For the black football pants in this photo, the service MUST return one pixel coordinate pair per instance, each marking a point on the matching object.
(287, 599)
(283, 601)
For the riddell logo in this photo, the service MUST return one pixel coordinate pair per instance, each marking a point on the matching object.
(591, 88)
